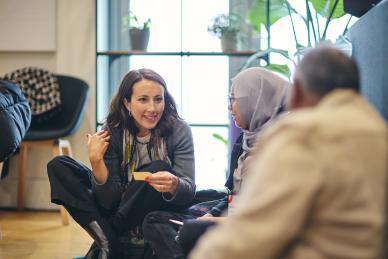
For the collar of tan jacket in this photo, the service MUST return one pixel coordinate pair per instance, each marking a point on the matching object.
(338, 97)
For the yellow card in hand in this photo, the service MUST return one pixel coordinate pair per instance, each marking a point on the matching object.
(140, 176)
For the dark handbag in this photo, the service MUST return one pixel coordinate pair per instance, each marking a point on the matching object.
(190, 232)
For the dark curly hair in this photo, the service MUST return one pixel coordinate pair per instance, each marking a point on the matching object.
(118, 114)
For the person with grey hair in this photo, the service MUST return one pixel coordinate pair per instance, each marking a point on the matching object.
(317, 185)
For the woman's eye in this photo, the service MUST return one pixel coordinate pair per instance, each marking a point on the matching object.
(142, 100)
(158, 99)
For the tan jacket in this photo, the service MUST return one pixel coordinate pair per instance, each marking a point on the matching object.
(316, 188)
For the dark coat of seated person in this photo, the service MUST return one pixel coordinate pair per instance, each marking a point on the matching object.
(15, 119)
(257, 97)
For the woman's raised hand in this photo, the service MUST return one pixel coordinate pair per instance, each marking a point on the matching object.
(163, 181)
(97, 145)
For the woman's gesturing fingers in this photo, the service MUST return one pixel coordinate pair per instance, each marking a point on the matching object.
(97, 144)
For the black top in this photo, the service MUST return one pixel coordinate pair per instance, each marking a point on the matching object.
(236, 153)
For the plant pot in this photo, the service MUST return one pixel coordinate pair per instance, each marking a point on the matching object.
(229, 42)
(139, 38)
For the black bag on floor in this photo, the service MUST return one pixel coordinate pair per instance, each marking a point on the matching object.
(134, 245)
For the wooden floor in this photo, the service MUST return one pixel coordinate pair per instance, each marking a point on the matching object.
(40, 235)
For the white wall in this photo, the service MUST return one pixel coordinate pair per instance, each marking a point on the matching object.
(74, 55)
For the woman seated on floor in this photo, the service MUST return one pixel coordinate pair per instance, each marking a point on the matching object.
(143, 132)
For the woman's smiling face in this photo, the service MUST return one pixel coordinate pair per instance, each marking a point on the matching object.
(146, 105)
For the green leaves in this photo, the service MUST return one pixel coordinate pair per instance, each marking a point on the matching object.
(325, 7)
(257, 14)
(131, 21)
(282, 69)
(221, 138)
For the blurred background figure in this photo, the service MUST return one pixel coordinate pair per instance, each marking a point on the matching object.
(317, 186)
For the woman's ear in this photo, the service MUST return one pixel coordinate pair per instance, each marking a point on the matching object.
(302, 98)
(127, 104)
(295, 97)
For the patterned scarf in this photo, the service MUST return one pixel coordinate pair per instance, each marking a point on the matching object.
(156, 148)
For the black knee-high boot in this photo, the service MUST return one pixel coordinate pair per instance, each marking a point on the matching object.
(101, 246)
(106, 244)
(93, 252)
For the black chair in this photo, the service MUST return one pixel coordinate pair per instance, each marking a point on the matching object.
(74, 93)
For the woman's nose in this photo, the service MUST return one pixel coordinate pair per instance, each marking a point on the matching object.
(151, 106)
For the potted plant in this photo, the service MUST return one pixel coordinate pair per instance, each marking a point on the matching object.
(226, 28)
(139, 32)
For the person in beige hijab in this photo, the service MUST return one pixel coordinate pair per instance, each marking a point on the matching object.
(257, 98)
(317, 178)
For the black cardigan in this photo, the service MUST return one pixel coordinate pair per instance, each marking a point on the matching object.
(236, 153)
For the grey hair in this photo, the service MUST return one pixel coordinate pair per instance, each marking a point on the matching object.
(324, 69)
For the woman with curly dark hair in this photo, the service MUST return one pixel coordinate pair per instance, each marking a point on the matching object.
(143, 132)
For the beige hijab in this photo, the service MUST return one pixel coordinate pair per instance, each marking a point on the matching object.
(260, 95)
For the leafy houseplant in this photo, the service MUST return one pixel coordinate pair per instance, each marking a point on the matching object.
(139, 33)
(226, 28)
(328, 9)
(315, 10)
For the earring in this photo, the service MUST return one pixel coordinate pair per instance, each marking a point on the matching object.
(129, 113)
